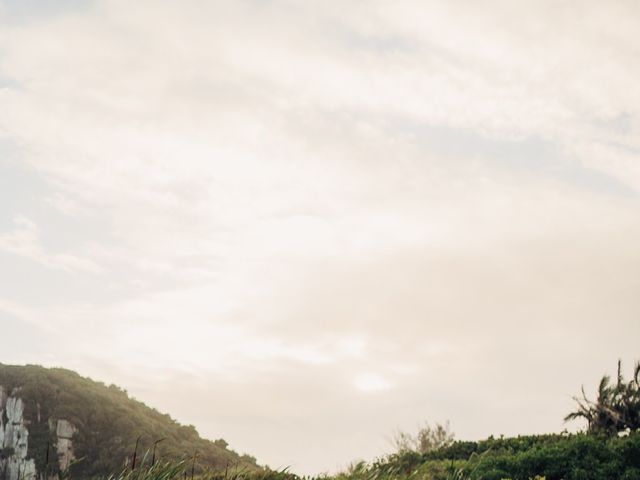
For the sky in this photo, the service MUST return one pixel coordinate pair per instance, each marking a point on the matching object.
(301, 226)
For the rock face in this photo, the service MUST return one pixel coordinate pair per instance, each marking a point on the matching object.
(14, 435)
(64, 434)
(14, 440)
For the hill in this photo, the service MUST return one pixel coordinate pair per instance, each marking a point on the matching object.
(51, 419)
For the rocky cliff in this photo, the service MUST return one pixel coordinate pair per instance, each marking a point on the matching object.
(51, 417)
(15, 463)
(14, 439)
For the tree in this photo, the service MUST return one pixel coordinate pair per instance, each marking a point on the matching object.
(617, 407)
(426, 440)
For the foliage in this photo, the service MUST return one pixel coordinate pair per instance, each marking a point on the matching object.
(109, 422)
(554, 457)
(427, 439)
(182, 470)
(617, 406)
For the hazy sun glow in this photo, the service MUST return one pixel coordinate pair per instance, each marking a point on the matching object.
(371, 382)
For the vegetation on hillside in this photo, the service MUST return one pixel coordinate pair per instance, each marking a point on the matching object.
(427, 439)
(609, 449)
(564, 456)
(109, 424)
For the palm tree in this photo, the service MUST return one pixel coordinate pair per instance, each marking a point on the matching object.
(630, 405)
(617, 407)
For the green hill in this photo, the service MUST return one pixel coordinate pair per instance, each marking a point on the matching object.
(49, 417)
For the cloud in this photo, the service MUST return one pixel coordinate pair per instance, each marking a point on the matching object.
(24, 241)
(291, 202)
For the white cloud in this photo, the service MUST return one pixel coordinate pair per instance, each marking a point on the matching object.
(294, 200)
(24, 241)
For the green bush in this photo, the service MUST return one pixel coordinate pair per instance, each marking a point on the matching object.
(553, 457)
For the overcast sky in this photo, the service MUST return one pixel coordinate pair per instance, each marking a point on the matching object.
(300, 225)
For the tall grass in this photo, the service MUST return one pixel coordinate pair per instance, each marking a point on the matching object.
(184, 469)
